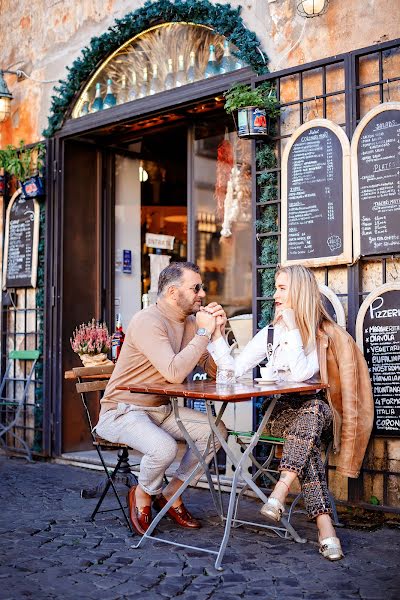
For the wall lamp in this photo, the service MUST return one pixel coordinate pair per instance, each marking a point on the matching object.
(312, 8)
(5, 95)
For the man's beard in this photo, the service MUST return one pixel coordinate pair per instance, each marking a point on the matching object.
(189, 308)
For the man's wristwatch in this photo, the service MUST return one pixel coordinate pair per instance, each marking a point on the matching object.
(203, 331)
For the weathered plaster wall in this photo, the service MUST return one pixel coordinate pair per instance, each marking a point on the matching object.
(43, 37)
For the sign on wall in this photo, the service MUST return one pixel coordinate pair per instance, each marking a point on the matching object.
(378, 336)
(375, 156)
(21, 242)
(316, 196)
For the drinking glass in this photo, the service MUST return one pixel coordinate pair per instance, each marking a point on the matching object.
(225, 376)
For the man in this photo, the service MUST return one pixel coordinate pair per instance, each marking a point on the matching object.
(163, 343)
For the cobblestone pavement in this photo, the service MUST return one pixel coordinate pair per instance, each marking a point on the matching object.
(50, 550)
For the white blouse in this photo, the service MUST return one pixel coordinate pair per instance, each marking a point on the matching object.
(288, 359)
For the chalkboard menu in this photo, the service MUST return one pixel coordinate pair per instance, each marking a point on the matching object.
(316, 196)
(378, 334)
(376, 181)
(21, 242)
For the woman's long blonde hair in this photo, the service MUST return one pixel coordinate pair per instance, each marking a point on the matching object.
(306, 300)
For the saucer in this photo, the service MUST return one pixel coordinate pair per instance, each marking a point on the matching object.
(261, 380)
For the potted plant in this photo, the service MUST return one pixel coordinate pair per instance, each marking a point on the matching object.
(254, 108)
(26, 165)
(91, 341)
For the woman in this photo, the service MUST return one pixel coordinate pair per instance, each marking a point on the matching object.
(301, 325)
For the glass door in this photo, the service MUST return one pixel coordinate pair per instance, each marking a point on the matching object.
(222, 214)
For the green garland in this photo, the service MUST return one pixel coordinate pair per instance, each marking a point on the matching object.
(221, 17)
(267, 222)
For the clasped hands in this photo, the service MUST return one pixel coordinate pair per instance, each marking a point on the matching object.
(213, 318)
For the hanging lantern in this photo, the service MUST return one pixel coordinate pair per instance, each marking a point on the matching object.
(312, 8)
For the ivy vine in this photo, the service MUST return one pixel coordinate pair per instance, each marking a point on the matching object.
(267, 222)
(221, 17)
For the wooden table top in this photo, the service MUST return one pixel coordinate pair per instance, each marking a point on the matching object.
(236, 392)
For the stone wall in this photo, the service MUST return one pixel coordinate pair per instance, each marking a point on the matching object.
(43, 37)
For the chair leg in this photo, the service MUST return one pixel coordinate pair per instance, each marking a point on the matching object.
(124, 476)
(109, 483)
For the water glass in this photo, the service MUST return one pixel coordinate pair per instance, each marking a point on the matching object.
(225, 376)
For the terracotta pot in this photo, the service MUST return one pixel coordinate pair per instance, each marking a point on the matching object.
(95, 360)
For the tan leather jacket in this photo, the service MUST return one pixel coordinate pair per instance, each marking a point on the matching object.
(344, 368)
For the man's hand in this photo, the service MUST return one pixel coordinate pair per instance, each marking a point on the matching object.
(206, 320)
(218, 312)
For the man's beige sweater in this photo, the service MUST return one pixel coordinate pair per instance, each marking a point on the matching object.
(160, 346)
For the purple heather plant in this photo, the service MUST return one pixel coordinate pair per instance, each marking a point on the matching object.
(91, 338)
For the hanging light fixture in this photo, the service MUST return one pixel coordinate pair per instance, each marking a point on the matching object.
(312, 8)
(5, 98)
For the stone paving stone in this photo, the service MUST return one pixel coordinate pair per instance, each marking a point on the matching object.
(50, 550)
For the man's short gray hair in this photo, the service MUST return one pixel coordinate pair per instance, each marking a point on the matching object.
(172, 275)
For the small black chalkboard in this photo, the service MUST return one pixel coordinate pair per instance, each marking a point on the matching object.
(313, 219)
(380, 330)
(21, 242)
(376, 167)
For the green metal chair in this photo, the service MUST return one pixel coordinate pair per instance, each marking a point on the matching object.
(11, 409)
(267, 471)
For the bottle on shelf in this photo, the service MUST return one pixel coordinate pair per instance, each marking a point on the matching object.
(191, 74)
(155, 86)
(143, 91)
(132, 93)
(85, 105)
(181, 75)
(211, 67)
(117, 339)
(98, 100)
(238, 63)
(226, 64)
(170, 79)
(110, 99)
(145, 301)
(123, 92)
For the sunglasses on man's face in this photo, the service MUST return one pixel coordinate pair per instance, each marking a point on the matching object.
(199, 286)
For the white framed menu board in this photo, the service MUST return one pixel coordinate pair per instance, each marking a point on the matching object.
(316, 196)
(375, 165)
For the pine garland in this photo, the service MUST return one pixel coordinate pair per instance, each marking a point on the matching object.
(267, 222)
(221, 17)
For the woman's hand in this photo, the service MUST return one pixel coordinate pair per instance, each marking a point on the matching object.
(288, 317)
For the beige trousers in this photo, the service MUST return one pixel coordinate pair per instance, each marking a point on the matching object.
(153, 431)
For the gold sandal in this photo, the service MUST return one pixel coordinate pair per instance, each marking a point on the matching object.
(331, 549)
(273, 509)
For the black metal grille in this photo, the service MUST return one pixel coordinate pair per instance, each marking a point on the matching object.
(22, 330)
(343, 89)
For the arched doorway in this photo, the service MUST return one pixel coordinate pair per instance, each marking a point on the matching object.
(159, 165)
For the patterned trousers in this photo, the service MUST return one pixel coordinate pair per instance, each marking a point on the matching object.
(303, 421)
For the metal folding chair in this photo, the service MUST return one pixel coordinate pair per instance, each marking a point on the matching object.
(11, 408)
(265, 469)
(94, 380)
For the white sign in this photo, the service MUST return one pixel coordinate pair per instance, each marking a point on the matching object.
(157, 240)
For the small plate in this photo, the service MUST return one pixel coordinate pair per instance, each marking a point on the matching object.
(261, 380)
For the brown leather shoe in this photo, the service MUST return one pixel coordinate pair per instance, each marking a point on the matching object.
(140, 518)
(180, 515)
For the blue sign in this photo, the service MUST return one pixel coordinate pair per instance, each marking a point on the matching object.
(127, 261)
